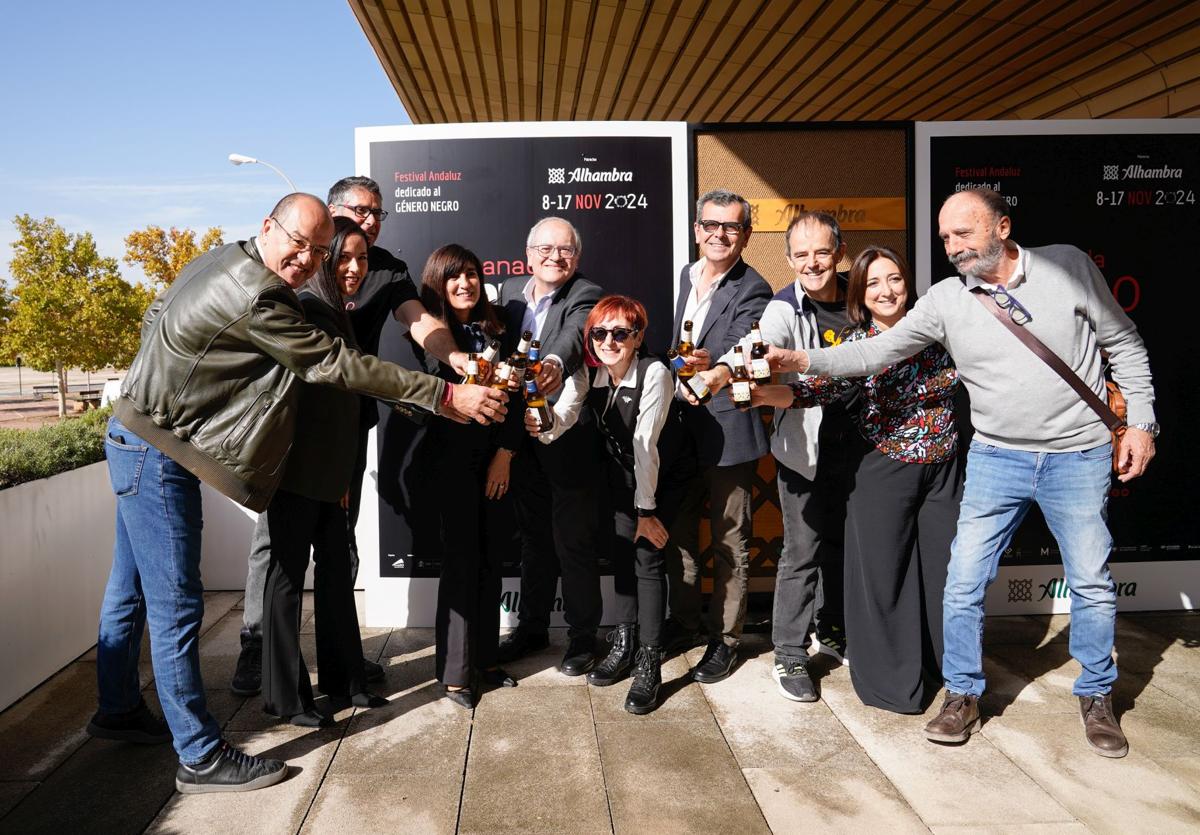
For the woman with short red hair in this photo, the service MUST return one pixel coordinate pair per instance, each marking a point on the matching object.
(648, 466)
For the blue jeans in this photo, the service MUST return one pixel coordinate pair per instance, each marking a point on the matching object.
(155, 579)
(1071, 488)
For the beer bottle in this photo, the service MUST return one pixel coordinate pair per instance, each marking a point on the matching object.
(675, 360)
(535, 354)
(535, 401)
(472, 376)
(740, 388)
(488, 361)
(501, 377)
(759, 368)
(698, 388)
(685, 349)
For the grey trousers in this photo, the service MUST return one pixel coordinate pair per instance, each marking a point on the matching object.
(256, 579)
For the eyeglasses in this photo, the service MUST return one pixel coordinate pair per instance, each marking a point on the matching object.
(618, 334)
(730, 227)
(1016, 311)
(361, 212)
(319, 252)
(546, 250)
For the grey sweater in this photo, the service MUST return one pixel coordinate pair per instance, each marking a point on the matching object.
(1017, 401)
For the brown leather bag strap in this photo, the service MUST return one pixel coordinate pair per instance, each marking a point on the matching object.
(1051, 359)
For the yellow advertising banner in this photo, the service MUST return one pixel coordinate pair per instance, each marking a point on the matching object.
(858, 213)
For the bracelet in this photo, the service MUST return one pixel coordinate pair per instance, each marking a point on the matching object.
(448, 394)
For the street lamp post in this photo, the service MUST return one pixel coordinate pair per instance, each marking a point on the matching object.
(242, 159)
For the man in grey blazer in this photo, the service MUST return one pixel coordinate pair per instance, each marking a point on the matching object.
(554, 485)
(721, 295)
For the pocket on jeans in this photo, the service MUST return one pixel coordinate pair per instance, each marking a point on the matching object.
(983, 449)
(1098, 453)
(125, 462)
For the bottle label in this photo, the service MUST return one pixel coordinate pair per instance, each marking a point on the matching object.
(533, 353)
(473, 368)
(696, 384)
(741, 391)
(677, 362)
(760, 369)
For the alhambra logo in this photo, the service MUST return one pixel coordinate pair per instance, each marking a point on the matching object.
(587, 175)
(555, 176)
(1020, 591)
(1141, 172)
(1057, 588)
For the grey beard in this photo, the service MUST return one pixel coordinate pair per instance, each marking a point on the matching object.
(985, 261)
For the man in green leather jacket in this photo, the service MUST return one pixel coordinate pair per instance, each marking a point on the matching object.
(211, 397)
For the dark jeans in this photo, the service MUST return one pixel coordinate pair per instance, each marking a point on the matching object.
(155, 580)
(295, 524)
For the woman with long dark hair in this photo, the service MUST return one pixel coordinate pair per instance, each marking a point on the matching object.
(471, 472)
(648, 465)
(309, 512)
(903, 508)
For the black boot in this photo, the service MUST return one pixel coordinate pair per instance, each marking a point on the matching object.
(619, 659)
(647, 677)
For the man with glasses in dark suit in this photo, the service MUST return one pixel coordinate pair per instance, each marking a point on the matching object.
(554, 485)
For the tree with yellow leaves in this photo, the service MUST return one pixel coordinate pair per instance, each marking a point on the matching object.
(163, 253)
(71, 308)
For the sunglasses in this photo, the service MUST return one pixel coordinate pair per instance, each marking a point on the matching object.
(618, 334)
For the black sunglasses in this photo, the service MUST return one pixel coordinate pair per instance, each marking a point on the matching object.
(618, 334)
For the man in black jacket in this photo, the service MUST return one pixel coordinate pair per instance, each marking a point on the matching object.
(721, 295)
(211, 395)
(555, 484)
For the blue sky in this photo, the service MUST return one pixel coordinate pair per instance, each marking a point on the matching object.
(119, 115)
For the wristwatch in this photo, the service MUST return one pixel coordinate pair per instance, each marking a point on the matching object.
(1152, 428)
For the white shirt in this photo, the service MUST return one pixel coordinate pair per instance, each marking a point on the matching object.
(651, 417)
(695, 309)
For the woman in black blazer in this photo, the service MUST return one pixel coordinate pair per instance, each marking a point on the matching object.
(471, 469)
(648, 464)
(309, 512)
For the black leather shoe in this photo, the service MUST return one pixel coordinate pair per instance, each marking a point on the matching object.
(647, 678)
(677, 638)
(520, 643)
(497, 677)
(580, 656)
(368, 700)
(311, 719)
(247, 678)
(372, 671)
(464, 697)
(716, 664)
(228, 770)
(140, 726)
(619, 659)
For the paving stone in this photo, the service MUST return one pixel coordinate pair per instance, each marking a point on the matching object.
(534, 765)
(11, 794)
(1184, 627)
(1105, 794)
(1020, 829)
(764, 729)
(353, 805)
(1009, 692)
(681, 776)
(1021, 630)
(41, 730)
(541, 668)
(680, 699)
(844, 793)
(970, 784)
(105, 787)
(278, 809)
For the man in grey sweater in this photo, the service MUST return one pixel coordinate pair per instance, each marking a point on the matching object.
(1035, 439)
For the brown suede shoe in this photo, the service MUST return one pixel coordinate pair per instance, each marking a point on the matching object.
(956, 721)
(1100, 726)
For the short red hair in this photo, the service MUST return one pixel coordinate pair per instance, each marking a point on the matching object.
(612, 307)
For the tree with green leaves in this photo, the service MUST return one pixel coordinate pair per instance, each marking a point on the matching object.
(71, 308)
(6, 301)
(163, 253)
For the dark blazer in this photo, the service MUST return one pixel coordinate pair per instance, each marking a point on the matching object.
(725, 436)
(562, 335)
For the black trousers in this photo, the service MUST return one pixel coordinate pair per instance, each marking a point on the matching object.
(639, 569)
(559, 523)
(296, 524)
(467, 625)
(356, 485)
(900, 521)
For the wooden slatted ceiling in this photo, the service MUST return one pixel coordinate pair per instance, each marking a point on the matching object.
(786, 60)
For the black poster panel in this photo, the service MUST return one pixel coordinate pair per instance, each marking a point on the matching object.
(1130, 202)
(485, 193)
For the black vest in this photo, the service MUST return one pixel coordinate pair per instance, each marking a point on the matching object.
(676, 459)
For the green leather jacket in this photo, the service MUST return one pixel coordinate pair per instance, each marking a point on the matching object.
(215, 382)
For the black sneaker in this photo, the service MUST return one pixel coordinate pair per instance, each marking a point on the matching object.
(791, 675)
(247, 678)
(833, 644)
(139, 725)
(229, 770)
